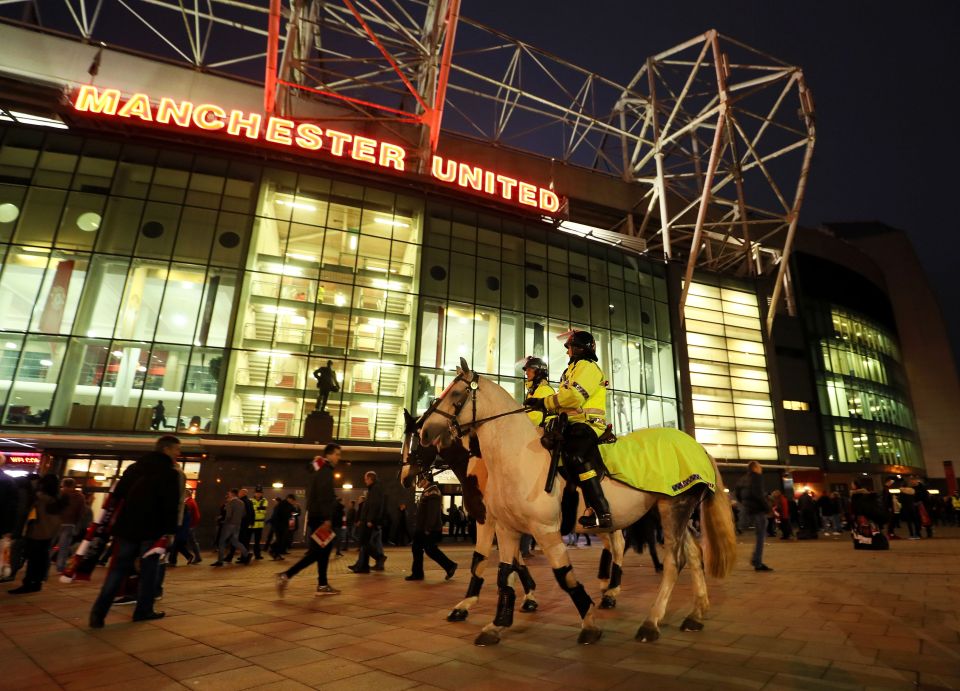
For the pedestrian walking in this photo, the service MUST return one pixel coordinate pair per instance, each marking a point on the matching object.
(283, 523)
(429, 532)
(150, 494)
(230, 531)
(752, 496)
(350, 524)
(43, 525)
(70, 518)
(371, 522)
(321, 500)
(260, 505)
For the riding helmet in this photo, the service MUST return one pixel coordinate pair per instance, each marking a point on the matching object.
(534, 363)
(581, 339)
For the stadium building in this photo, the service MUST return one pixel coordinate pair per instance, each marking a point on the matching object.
(180, 254)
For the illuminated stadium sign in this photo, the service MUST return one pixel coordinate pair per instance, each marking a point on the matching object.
(307, 137)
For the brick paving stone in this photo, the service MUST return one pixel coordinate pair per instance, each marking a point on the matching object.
(883, 620)
(239, 678)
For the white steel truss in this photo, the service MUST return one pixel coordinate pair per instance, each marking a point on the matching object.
(717, 135)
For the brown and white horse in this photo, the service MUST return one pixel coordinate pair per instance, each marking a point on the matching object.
(517, 467)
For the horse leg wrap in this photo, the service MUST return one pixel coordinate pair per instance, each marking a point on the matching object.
(606, 558)
(507, 596)
(526, 580)
(473, 590)
(581, 600)
(615, 574)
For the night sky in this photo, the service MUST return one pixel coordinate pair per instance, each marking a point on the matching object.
(884, 77)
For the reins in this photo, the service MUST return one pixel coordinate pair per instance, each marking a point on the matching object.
(462, 429)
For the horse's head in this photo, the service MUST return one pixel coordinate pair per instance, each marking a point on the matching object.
(417, 460)
(440, 425)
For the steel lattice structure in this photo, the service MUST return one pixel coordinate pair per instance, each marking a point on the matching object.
(717, 136)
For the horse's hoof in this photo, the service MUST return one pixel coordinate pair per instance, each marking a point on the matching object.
(458, 615)
(691, 624)
(487, 638)
(647, 633)
(608, 602)
(589, 636)
(529, 606)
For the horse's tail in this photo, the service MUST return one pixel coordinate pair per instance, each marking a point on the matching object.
(716, 518)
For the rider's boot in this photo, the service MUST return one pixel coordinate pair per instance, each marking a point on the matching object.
(594, 498)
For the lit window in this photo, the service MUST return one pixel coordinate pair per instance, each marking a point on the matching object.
(796, 405)
(801, 450)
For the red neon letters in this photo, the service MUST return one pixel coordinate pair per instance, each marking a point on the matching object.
(309, 137)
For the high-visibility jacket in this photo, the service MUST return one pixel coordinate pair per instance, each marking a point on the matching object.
(542, 390)
(259, 512)
(582, 395)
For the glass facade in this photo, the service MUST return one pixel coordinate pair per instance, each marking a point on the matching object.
(494, 291)
(148, 289)
(862, 390)
(728, 375)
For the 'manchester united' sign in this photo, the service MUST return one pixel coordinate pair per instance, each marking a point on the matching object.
(307, 136)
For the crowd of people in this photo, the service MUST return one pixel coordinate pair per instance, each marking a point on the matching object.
(43, 519)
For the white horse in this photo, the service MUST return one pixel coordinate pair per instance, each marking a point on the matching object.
(517, 467)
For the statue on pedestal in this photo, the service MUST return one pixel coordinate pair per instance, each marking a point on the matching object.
(326, 384)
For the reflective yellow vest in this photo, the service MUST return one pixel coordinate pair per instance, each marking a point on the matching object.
(582, 395)
(259, 512)
(542, 391)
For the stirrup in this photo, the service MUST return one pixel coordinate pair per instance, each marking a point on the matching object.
(605, 521)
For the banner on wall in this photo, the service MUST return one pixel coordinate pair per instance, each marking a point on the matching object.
(53, 309)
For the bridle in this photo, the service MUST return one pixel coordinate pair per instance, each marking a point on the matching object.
(458, 429)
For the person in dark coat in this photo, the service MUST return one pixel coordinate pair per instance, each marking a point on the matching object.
(321, 500)
(280, 520)
(428, 533)
(42, 527)
(371, 522)
(337, 522)
(753, 498)
(149, 498)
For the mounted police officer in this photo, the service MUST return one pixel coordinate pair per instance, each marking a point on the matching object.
(536, 386)
(583, 397)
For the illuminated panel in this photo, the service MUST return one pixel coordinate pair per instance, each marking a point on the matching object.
(732, 411)
(307, 136)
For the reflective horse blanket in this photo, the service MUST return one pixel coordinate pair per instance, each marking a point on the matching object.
(661, 460)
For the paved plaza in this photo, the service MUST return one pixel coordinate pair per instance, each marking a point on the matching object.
(827, 617)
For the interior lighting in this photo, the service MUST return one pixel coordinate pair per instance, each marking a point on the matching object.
(339, 300)
(347, 485)
(297, 205)
(36, 120)
(141, 368)
(391, 222)
(10, 346)
(117, 354)
(99, 478)
(302, 257)
(46, 363)
(353, 242)
(89, 221)
(8, 212)
(277, 485)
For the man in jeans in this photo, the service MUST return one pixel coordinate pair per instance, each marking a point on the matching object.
(236, 512)
(371, 522)
(69, 520)
(752, 496)
(320, 501)
(149, 498)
